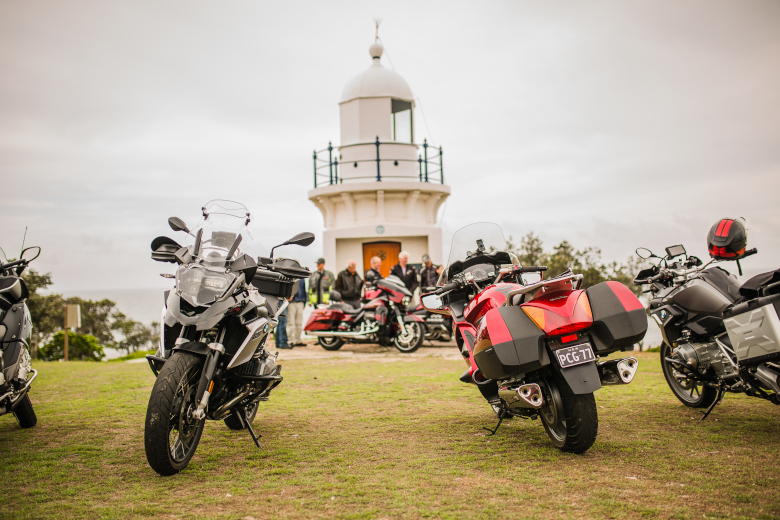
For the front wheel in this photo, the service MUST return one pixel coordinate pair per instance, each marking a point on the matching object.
(25, 414)
(330, 343)
(171, 433)
(570, 420)
(410, 337)
(690, 393)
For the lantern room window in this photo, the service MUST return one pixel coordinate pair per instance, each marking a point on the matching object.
(403, 121)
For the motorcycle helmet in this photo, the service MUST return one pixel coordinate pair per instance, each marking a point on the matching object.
(727, 239)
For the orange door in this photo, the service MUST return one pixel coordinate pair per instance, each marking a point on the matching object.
(387, 251)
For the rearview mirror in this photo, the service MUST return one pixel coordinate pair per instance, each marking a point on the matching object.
(178, 224)
(301, 239)
(432, 302)
(30, 253)
(644, 253)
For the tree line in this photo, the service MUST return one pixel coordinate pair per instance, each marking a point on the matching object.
(102, 325)
(530, 251)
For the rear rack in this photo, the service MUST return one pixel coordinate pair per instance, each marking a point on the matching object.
(543, 284)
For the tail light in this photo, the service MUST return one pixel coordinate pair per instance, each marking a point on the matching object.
(553, 324)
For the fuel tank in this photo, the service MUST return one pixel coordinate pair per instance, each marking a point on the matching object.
(700, 297)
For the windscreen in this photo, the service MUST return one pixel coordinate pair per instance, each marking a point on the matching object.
(222, 224)
(466, 241)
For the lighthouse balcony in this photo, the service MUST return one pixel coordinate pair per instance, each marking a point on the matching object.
(380, 161)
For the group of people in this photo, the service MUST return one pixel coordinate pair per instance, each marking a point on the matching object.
(350, 285)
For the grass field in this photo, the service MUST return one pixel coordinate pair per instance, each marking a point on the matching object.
(386, 437)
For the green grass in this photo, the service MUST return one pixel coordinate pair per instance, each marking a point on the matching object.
(386, 438)
(133, 355)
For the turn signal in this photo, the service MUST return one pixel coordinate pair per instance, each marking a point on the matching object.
(553, 324)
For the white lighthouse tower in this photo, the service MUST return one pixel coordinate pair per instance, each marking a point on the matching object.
(379, 192)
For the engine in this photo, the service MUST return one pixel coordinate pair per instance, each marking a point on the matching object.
(703, 356)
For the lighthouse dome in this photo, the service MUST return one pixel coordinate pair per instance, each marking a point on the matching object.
(377, 81)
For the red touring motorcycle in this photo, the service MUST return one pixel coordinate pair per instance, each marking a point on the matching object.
(532, 348)
(384, 319)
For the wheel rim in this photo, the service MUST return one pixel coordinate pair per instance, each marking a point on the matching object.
(183, 428)
(552, 413)
(409, 337)
(685, 389)
(329, 341)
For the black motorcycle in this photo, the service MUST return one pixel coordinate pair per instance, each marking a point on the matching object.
(212, 362)
(16, 372)
(717, 336)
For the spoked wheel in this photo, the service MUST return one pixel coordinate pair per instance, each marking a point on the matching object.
(172, 434)
(410, 338)
(690, 393)
(234, 423)
(330, 343)
(25, 414)
(570, 420)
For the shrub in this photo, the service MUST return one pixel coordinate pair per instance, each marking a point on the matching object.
(81, 347)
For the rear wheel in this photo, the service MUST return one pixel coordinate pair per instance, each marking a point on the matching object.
(234, 423)
(690, 393)
(330, 343)
(411, 338)
(570, 420)
(171, 433)
(25, 414)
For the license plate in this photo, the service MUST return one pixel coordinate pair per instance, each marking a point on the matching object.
(576, 355)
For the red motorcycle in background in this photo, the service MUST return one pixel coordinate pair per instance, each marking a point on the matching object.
(532, 349)
(384, 319)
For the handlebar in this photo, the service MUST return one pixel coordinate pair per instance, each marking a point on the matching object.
(448, 287)
(13, 264)
(531, 269)
(750, 252)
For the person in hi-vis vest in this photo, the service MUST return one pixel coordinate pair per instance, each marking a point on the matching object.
(319, 284)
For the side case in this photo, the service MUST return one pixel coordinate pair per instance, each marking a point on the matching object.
(619, 318)
(508, 344)
(754, 330)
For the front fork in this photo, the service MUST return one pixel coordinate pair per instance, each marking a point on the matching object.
(206, 384)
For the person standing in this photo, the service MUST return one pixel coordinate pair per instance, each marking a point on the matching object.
(429, 274)
(407, 273)
(319, 284)
(280, 334)
(349, 284)
(373, 275)
(295, 315)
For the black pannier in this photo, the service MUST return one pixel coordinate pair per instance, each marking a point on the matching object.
(275, 284)
(619, 318)
(513, 344)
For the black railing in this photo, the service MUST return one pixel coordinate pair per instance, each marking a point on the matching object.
(431, 169)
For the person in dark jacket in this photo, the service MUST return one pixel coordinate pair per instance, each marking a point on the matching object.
(295, 316)
(429, 274)
(407, 273)
(373, 275)
(349, 284)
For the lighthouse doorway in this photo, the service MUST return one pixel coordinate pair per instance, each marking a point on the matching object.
(387, 251)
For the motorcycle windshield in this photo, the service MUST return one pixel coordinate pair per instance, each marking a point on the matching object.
(223, 224)
(466, 241)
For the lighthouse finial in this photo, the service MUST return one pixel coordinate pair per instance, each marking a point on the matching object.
(378, 22)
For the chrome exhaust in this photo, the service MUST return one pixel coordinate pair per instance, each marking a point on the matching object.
(523, 396)
(618, 371)
(357, 334)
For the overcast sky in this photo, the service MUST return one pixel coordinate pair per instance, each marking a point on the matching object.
(612, 124)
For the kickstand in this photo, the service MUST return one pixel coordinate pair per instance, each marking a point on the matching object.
(241, 412)
(494, 430)
(721, 391)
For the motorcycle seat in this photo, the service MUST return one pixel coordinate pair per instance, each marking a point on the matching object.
(346, 308)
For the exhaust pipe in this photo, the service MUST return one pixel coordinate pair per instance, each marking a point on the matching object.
(618, 371)
(357, 334)
(768, 378)
(524, 396)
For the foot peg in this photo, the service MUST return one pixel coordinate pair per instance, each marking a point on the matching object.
(466, 377)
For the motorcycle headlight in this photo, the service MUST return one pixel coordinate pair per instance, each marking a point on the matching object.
(200, 286)
(406, 301)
